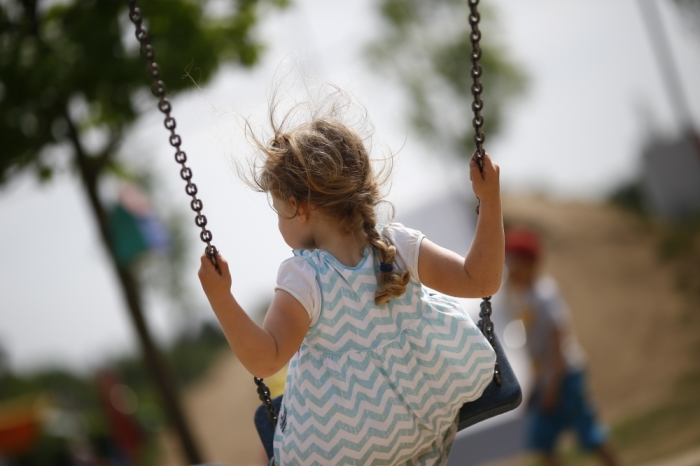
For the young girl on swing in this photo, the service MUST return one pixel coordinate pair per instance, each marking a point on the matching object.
(379, 365)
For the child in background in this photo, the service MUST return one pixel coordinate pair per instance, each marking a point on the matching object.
(560, 400)
(378, 367)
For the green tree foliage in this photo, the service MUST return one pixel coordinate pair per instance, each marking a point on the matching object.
(426, 46)
(54, 55)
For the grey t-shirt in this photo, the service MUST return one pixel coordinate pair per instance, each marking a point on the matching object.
(542, 309)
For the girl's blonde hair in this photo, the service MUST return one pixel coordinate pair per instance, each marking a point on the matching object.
(325, 163)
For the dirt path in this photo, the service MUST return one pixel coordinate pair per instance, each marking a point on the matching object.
(626, 311)
(220, 409)
(689, 458)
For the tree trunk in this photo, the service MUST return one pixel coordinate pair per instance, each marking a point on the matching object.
(90, 170)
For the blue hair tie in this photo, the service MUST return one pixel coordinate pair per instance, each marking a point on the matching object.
(385, 268)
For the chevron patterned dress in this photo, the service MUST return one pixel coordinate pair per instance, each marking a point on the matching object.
(378, 385)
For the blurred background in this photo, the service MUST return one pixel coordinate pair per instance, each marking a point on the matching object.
(109, 354)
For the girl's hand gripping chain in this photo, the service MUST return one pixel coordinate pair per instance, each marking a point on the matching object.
(216, 283)
(485, 183)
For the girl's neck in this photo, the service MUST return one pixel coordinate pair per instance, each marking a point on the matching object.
(347, 248)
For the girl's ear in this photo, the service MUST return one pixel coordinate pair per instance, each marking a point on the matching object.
(302, 209)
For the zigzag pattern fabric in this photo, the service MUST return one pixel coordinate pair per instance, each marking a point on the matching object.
(379, 385)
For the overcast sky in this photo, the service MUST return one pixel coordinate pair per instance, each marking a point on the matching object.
(594, 91)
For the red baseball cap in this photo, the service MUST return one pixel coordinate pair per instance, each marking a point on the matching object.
(523, 242)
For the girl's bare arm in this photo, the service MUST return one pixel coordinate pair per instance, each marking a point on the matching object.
(262, 350)
(480, 273)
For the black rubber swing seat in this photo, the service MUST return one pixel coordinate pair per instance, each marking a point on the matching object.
(496, 399)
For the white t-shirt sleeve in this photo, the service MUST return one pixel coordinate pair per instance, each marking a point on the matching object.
(407, 242)
(298, 278)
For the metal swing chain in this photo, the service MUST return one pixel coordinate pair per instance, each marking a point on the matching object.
(485, 324)
(264, 395)
(477, 87)
(158, 90)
